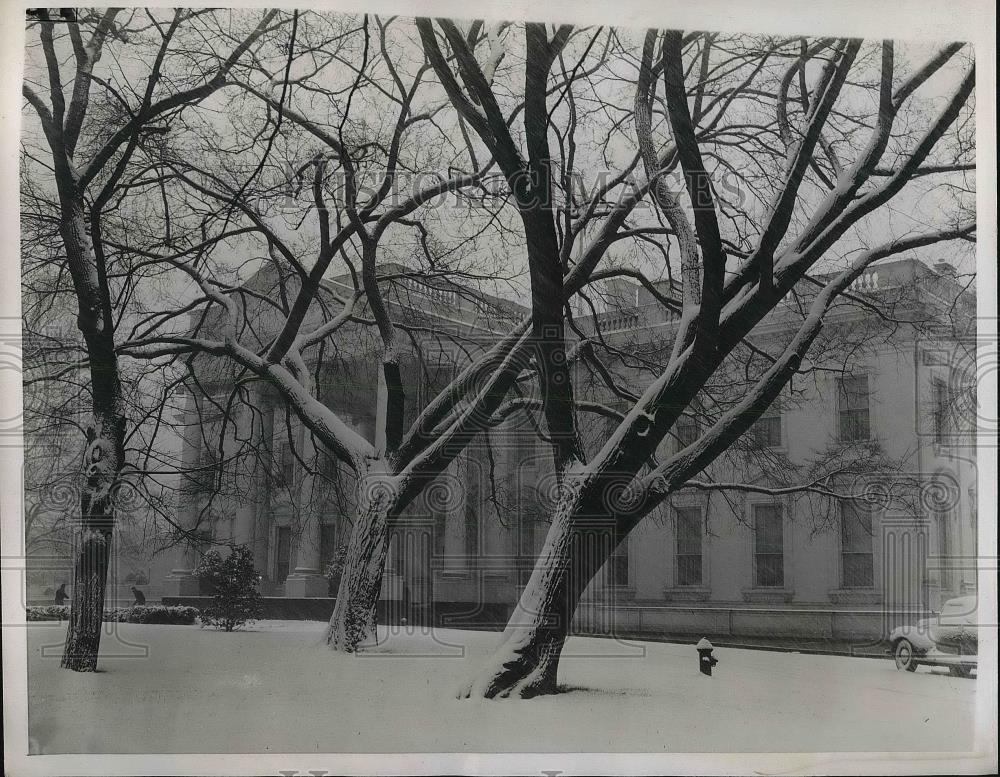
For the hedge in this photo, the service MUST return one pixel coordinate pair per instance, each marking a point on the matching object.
(154, 613)
(48, 612)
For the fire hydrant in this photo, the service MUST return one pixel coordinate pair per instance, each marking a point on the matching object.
(705, 658)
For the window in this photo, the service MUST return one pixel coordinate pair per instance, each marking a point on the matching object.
(766, 430)
(853, 409)
(768, 556)
(283, 556)
(686, 430)
(688, 546)
(618, 565)
(857, 568)
(207, 474)
(283, 463)
(942, 411)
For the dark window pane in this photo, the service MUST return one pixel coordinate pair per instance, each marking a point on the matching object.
(686, 430)
(857, 563)
(853, 408)
(855, 528)
(858, 570)
(770, 570)
(284, 553)
(207, 475)
(767, 431)
(854, 392)
(769, 567)
(854, 425)
(689, 569)
(688, 546)
(768, 531)
(942, 411)
(283, 463)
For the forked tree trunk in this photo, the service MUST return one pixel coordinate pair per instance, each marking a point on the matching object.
(353, 622)
(526, 663)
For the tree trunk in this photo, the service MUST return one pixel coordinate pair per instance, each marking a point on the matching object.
(526, 663)
(83, 637)
(104, 455)
(353, 620)
(90, 574)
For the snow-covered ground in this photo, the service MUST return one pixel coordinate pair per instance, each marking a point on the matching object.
(171, 689)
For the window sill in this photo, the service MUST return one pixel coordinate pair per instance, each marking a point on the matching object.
(781, 449)
(455, 574)
(616, 592)
(855, 596)
(870, 438)
(687, 593)
(768, 595)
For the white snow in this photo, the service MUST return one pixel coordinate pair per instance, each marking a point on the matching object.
(278, 688)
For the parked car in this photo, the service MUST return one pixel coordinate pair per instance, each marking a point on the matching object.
(951, 639)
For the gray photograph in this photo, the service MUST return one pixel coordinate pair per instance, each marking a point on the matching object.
(411, 384)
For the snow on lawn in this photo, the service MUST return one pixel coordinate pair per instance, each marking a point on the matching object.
(277, 688)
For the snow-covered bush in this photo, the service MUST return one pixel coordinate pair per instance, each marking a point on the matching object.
(47, 612)
(144, 613)
(233, 582)
(182, 616)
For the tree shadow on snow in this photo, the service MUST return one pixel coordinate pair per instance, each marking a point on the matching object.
(631, 692)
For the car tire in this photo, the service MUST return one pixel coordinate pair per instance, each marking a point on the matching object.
(904, 655)
(960, 670)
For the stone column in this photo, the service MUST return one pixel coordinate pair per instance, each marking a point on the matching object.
(307, 578)
(261, 519)
(180, 581)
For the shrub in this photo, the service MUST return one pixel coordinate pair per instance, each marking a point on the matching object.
(180, 616)
(144, 613)
(47, 612)
(233, 582)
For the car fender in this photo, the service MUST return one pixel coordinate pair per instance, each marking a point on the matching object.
(919, 635)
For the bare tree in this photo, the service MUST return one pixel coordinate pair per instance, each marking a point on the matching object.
(271, 334)
(726, 287)
(86, 167)
(689, 177)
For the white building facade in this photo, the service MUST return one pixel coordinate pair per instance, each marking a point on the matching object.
(744, 566)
